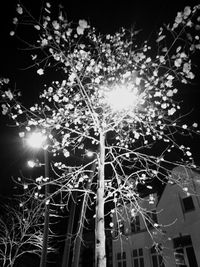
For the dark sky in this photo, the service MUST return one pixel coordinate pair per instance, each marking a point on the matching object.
(107, 16)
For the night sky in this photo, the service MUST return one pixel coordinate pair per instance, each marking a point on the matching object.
(107, 17)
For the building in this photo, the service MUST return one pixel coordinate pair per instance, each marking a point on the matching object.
(167, 232)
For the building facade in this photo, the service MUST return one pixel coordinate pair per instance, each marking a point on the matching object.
(169, 236)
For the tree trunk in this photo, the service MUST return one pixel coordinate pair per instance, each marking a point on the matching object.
(43, 260)
(100, 253)
(70, 225)
(77, 247)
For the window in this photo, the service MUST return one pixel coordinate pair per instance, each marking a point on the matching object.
(121, 259)
(156, 257)
(187, 204)
(135, 224)
(184, 253)
(138, 259)
(179, 257)
(151, 218)
(118, 228)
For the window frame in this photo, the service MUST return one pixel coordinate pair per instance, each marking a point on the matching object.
(138, 256)
(181, 245)
(135, 225)
(121, 259)
(158, 257)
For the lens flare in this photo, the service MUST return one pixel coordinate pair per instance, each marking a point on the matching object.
(122, 97)
(36, 140)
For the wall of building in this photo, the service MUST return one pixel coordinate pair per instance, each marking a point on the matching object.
(127, 241)
(174, 222)
(181, 222)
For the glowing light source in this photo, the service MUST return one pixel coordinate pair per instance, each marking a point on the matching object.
(31, 163)
(122, 97)
(34, 163)
(151, 199)
(89, 153)
(36, 139)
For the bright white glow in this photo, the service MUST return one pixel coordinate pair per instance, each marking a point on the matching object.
(31, 163)
(89, 154)
(122, 97)
(36, 140)
(151, 199)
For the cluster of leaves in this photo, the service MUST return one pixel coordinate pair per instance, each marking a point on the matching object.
(74, 109)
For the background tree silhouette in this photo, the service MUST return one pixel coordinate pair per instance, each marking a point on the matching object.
(21, 229)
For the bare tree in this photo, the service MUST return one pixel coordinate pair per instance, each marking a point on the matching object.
(21, 230)
(114, 98)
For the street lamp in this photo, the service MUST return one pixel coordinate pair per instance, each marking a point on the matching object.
(34, 163)
(38, 140)
(121, 100)
(89, 153)
(122, 97)
(31, 163)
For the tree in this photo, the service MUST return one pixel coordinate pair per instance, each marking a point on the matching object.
(21, 230)
(114, 98)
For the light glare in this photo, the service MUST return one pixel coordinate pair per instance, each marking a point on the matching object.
(122, 97)
(31, 163)
(36, 140)
(89, 154)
